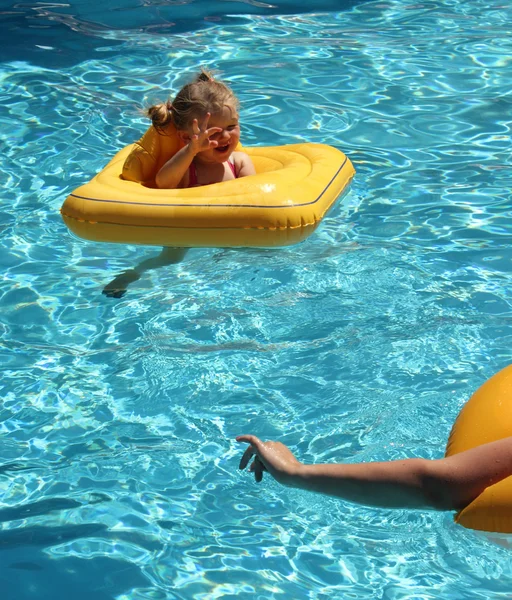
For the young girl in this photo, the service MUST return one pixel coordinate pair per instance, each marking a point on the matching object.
(205, 114)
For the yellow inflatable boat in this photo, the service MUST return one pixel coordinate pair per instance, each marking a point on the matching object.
(282, 204)
(486, 417)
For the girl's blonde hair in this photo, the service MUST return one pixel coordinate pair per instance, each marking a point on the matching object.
(194, 100)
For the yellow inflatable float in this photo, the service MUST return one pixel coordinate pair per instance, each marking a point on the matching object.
(282, 204)
(486, 417)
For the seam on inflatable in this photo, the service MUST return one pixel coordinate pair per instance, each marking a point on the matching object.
(272, 228)
(207, 205)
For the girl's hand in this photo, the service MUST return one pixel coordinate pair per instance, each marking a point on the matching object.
(200, 140)
(273, 457)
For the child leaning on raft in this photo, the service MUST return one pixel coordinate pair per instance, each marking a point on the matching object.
(205, 114)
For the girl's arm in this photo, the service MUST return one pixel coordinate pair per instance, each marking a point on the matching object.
(244, 165)
(173, 172)
(445, 484)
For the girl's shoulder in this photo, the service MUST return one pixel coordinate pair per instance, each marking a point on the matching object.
(238, 154)
(243, 164)
(238, 157)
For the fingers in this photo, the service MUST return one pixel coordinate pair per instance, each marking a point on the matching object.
(257, 468)
(197, 129)
(201, 134)
(250, 439)
(204, 124)
(255, 445)
(246, 457)
(203, 128)
(213, 130)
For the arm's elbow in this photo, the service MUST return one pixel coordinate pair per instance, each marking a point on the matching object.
(443, 490)
(163, 183)
(159, 183)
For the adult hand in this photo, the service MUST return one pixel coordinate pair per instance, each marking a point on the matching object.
(273, 457)
(200, 140)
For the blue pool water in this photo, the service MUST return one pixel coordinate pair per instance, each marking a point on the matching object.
(118, 474)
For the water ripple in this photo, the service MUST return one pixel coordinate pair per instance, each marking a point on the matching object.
(118, 417)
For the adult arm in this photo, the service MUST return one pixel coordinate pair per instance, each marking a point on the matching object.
(446, 484)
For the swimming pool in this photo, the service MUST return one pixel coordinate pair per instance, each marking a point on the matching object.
(119, 469)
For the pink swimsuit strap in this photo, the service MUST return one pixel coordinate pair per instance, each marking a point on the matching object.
(232, 165)
(192, 173)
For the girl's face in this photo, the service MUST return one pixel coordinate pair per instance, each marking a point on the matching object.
(227, 139)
